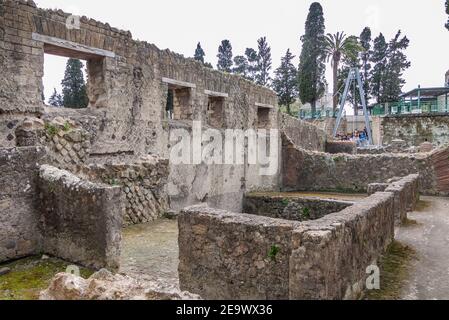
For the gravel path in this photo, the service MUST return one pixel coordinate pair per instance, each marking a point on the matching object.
(429, 276)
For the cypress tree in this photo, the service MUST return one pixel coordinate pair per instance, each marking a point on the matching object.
(379, 60)
(199, 53)
(74, 86)
(396, 65)
(225, 56)
(365, 42)
(264, 62)
(285, 81)
(312, 60)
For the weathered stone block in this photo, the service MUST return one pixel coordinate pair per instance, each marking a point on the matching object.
(81, 221)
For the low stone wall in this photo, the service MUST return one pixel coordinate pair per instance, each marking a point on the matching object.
(143, 185)
(225, 255)
(80, 221)
(335, 147)
(19, 234)
(330, 255)
(406, 196)
(304, 170)
(294, 208)
(304, 134)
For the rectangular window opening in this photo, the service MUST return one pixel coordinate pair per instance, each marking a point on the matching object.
(263, 118)
(73, 79)
(215, 112)
(178, 105)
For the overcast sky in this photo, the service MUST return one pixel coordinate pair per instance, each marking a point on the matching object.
(180, 24)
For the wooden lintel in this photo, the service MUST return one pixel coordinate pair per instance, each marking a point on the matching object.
(67, 48)
(177, 83)
(216, 94)
(263, 105)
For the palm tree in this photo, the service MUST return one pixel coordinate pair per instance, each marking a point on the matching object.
(337, 46)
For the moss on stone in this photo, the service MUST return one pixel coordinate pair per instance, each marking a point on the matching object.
(395, 267)
(29, 276)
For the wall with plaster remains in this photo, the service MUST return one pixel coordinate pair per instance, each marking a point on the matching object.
(128, 90)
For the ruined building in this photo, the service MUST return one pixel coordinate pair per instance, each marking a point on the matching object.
(71, 179)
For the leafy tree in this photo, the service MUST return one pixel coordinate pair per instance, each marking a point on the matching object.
(349, 62)
(447, 11)
(312, 60)
(56, 99)
(396, 65)
(379, 60)
(225, 56)
(73, 85)
(285, 81)
(199, 53)
(241, 66)
(208, 65)
(337, 47)
(365, 41)
(264, 62)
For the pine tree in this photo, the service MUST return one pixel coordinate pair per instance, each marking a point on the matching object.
(199, 53)
(225, 56)
(264, 62)
(56, 99)
(365, 41)
(396, 65)
(241, 66)
(379, 60)
(285, 81)
(312, 60)
(73, 85)
(253, 62)
(447, 11)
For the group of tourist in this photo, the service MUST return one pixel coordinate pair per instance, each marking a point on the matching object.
(360, 137)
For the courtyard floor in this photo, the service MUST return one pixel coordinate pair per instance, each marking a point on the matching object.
(150, 251)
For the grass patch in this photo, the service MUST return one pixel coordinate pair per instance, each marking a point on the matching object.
(410, 223)
(29, 276)
(423, 205)
(394, 266)
(274, 251)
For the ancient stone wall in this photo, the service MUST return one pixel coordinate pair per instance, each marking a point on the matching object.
(296, 208)
(19, 234)
(305, 171)
(80, 221)
(143, 186)
(304, 134)
(336, 147)
(415, 129)
(239, 256)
